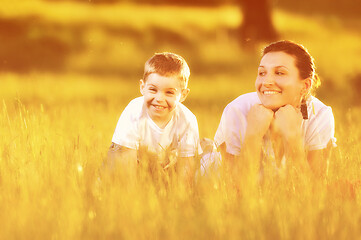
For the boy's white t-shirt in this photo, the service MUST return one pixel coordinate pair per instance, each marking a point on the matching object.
(135, 129)
(318, 130)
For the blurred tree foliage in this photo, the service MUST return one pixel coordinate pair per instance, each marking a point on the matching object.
(26, 46)
(257, 15)
(31, 42)
(321, 6)
(257, 20)
(160, 2)
(344, 8)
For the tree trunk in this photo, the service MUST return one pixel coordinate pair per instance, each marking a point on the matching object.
(257, 23)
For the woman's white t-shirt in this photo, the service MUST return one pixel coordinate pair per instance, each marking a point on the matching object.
(135, 129)
(318, 130)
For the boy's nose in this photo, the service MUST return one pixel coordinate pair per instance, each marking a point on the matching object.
(159, 96)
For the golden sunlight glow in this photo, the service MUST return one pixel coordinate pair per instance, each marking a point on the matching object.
(69, 68)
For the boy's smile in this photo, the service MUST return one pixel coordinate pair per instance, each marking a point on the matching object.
(161, 96)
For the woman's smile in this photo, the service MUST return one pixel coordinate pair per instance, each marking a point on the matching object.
(278, 82)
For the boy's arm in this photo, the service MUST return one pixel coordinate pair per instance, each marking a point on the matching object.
(186, 169)
(121, 158)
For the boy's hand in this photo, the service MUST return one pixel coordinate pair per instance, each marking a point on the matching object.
(207, 145)
(287, 122)
(120, 156)
(259, 119)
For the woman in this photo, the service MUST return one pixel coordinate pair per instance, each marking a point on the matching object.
(281, 123)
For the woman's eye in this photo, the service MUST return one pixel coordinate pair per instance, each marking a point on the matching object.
(280, 73)
(261, 73)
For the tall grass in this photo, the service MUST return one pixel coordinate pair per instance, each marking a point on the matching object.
(51, 187)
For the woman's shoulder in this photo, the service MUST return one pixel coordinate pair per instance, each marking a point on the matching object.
(317, 108)
(316, 105)
(244, 102)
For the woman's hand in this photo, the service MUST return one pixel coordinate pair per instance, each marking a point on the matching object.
(287, 122)
(259, 119)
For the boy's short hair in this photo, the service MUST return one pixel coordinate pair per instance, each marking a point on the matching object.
(168, 64)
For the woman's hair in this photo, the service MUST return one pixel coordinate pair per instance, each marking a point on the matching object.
(303, 60)
(168, 64)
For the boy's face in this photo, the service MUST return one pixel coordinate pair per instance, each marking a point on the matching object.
(161, 96)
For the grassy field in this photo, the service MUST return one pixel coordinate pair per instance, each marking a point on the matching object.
(56, 127)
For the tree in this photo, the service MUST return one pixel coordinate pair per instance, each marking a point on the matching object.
(257, 23)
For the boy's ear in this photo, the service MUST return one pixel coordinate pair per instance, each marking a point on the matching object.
(184, 94)
(141, 86)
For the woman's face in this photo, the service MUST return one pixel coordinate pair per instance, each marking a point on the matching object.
(278, 81)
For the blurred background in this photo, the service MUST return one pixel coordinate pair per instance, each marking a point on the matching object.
(56, 52)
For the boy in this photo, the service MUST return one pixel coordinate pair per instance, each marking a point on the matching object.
(158, 123)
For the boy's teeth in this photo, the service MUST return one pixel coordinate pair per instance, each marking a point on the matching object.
(159, 107)
(270, 92)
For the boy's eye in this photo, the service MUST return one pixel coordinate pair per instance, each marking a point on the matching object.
(152, 90)
(170, 92)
